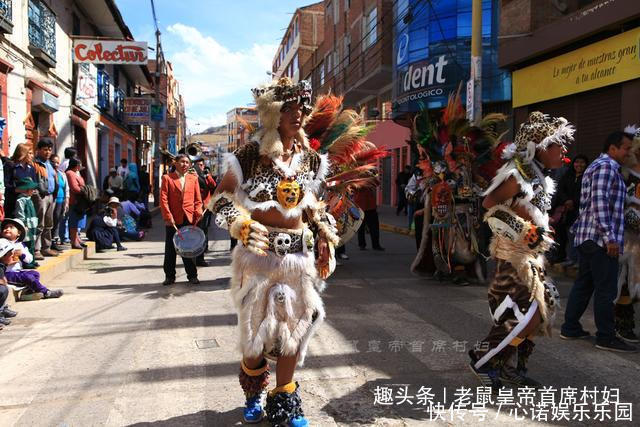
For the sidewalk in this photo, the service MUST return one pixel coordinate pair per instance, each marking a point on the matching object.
(393, 223)
(52, 267)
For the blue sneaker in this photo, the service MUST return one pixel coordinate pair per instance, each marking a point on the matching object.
(252, 412)
(298, 422)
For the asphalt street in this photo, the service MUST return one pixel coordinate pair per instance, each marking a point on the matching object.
(120, 349)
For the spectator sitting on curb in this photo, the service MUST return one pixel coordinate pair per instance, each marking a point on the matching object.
(126, 224)
(14, 231)
(25, 211)
(103, 228)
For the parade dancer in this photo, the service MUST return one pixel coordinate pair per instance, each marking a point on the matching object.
(521, 299)
(629, 275)
(268, 200)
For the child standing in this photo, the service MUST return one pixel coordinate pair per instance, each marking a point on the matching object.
(14, 231)
(25, 211)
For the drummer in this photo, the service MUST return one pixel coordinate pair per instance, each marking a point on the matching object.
(181, 205)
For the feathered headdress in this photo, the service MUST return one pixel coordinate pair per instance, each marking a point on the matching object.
(269, 101)
(342, 134)
(452, 138)
(538, 133)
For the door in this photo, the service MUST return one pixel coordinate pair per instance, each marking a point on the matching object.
(103, 140)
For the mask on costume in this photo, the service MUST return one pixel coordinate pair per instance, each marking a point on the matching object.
(441, 197)
(288, 192)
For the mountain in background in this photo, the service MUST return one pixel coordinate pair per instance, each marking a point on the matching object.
(213, 130)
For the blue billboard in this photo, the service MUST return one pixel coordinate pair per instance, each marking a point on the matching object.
(432, 53)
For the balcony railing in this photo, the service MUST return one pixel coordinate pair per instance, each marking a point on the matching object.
(6, 17)
(42, 32)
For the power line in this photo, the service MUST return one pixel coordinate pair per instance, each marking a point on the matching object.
(155, 18)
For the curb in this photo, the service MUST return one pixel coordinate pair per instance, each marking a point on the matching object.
(397, 230)
(55, 266)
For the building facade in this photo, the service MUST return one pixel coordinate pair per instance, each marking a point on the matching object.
(46, 95)
(240, 120)
(302, 37)
(577, 59)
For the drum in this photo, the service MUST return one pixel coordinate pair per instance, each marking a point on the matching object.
(347, 214)
(189, 241)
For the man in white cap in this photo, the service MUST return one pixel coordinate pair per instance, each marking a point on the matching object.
(112, 182)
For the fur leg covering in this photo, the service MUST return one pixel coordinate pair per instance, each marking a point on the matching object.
(284, 404)
(624, 317)
(524, 351)
(253, 381)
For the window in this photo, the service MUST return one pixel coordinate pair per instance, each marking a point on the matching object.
(42, 28)
(328, 62)
(296, 28)
(336, 62)
(336, 12)
(295, 63)
(6, 16)
(118, 104)
(103, 89)
(329, 11)
(321, 74)
(369, 29)
(347, 4)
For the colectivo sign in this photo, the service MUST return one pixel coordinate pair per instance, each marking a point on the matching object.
(109, 51)
(610, 61)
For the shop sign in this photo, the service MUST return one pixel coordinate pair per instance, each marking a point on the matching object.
(423, 80)
(172, 124)
(137, 111)
(98, 51)
(610, 61)
(171, 145)
(87, 87)
(157, 112)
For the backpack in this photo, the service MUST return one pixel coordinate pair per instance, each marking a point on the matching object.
(86, 197)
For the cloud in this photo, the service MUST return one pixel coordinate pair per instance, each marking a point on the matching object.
(211, 75)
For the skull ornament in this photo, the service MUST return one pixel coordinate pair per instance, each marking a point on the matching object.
(288, 193)
(281, 244)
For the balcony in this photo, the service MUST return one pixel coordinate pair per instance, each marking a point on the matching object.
(6, 16)
(369, 71)
(42, 33)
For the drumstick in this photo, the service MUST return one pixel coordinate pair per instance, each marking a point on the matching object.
(178, 231)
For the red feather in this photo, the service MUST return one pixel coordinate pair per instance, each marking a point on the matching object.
(370, 156)
(324, 113)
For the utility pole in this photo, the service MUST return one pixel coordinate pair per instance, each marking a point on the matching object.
(475, 83)
(158, 74)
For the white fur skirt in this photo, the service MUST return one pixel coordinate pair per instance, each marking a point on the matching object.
(278, 302)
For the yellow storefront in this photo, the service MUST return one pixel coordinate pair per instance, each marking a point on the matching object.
(597, 87)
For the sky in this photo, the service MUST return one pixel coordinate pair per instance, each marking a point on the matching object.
(219, 49)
